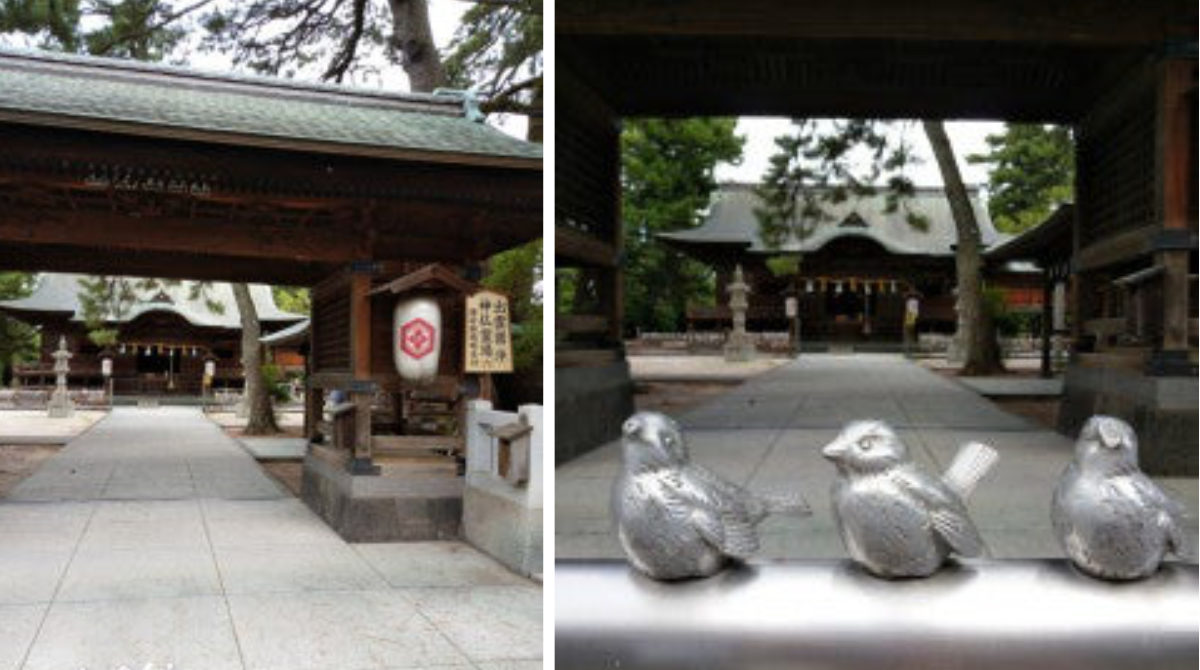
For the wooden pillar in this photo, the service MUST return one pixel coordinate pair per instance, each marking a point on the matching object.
(1175, 150)
(1047, 319)
(362, 389)
(314, 403)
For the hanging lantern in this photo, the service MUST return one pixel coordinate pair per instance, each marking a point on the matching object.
(837, 288)
(866, 288)
(210, 368)
(893, 286)
(122, 349)
(417, 329)
(808, 286)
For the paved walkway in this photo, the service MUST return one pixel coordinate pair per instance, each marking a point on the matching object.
(154, 541)
(767, 434)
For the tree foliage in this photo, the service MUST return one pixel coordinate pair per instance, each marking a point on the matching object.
(516, 272)
(666, 181)
(1032, 171)
(822, 163)
(18, 340)
(295, 299)
(106, 299)
(498, 50)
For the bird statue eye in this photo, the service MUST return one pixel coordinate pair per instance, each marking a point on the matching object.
(866, 443)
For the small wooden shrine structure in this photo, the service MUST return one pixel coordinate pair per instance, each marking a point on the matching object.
(115, 167)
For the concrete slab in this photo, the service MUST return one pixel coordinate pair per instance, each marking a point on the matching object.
(351, 629)
(33, 426)
(153, 454)
(30, 576)
(998, 387)
(697, 368)
(294, 569)
(18, 626)
(446, 564)
(137, 574)
(767, 433)
(164, 632)
(275, 448)
(253, 580)
(513, 612)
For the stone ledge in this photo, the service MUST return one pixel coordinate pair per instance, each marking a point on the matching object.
(377, 508)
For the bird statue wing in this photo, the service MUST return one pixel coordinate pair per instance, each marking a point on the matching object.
(1139, 491)
(947, 514)
(723, 513)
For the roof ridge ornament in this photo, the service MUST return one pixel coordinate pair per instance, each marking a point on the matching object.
(469, 99)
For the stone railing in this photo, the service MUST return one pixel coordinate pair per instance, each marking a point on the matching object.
(502, 501)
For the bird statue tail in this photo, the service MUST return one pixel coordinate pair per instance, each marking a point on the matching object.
(972, 463)
(789, 504)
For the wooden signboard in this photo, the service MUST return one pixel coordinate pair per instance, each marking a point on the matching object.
(489, 334)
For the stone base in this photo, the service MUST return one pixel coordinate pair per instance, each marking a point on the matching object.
(60, 405)
(61, 411)
(388, 507)
(739, 348)
(591, 403)
(496, 521)
(1163, 411)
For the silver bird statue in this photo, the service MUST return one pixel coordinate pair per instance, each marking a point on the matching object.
(895, 519)
(676, 520)
(1112, 521)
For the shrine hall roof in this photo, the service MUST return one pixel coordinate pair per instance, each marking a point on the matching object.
(59, 293)
(121, 96)
(731, 221)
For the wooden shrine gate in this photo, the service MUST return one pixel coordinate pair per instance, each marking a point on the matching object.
(112, 167)
(1124, 75)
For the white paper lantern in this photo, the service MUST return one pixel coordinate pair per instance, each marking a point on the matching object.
(417, 339)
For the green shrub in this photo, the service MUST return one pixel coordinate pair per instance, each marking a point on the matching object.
(277, 386)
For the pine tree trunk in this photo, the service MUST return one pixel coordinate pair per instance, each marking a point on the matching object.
(976, 331)
(412, 38)
(256, 396)
(534, 133)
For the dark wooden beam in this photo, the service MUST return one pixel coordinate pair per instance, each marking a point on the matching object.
(167, 265)
(1060, 21)
(576, 247)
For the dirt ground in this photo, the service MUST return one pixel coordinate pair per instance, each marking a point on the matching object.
(18, 461)
(284, 431)
(1042, 411)
(676, 397)
(287, 473)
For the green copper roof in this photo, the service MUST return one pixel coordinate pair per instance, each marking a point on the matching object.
(731, 220)
(136, 98)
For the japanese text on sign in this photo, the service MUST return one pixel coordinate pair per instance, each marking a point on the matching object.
(489, 339)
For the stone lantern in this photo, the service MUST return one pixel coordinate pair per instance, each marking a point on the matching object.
(60, 406)
(739, 347)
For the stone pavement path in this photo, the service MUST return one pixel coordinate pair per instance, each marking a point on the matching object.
(767, 434)
(209, 566)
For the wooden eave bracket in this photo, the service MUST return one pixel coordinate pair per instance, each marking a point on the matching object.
(434, 273)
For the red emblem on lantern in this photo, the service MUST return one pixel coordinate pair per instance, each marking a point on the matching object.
(417, 337)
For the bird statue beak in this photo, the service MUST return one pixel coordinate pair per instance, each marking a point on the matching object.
(630, 428)
(834, 450)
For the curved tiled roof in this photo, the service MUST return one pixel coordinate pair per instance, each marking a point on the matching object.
(59, 292)
(730, 220)
(123, 96)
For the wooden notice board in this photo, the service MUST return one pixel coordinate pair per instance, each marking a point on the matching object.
(489, 334)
